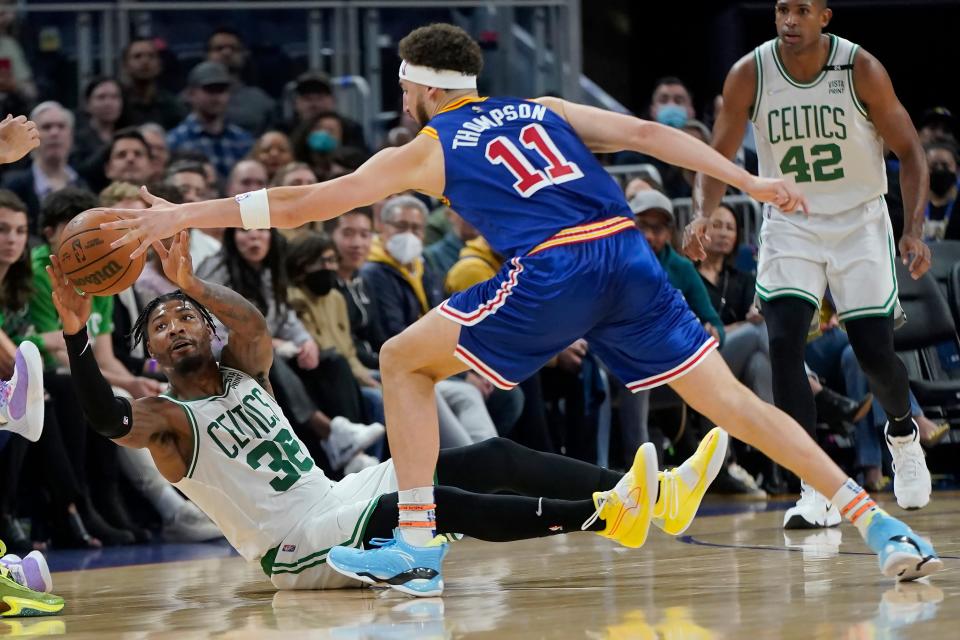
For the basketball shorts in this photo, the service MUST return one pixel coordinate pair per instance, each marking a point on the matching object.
(851, 252)
(300, 560)
(609, 289)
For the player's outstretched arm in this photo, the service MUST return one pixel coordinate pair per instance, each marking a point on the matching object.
(604, 131)
(129, 424)
(250, 348)
(417, 165)
(875, 91)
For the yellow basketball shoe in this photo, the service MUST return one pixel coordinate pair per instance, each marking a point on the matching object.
(682, 489)
(626, 509)
(16, 600)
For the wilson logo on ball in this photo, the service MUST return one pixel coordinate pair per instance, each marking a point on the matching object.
(102, 275)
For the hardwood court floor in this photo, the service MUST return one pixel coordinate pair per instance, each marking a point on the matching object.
(730, 576)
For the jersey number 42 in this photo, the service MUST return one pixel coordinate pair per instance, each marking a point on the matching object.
(529, 179)
(826, 163)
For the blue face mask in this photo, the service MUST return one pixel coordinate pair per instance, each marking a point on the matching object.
(321, 142)
(672, 115)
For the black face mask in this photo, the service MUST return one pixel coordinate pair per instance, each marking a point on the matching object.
(941, 179)
(320, 282)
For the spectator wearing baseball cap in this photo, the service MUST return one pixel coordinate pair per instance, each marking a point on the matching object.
(206, 129)
(655, 219)
(313, 95)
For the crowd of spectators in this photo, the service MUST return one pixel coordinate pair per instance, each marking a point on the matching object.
(333, 293)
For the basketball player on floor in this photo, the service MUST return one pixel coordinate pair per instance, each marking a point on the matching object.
(821, 109)
(220, 437)
(522, 172)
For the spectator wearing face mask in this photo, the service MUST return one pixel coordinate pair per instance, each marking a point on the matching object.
(312, 262)
(940, 222)
(313, 95)
(316, 140)
(671, 104)
(405, 286)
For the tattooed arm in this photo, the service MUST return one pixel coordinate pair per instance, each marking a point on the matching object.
(251, 347)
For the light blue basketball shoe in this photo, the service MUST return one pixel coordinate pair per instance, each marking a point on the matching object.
(903, 554)
(393, 563)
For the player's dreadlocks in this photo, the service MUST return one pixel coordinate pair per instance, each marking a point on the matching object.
(139, 332)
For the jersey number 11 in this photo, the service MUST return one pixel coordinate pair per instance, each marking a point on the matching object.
(529, 179)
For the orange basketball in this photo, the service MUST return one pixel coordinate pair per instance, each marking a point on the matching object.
(88, 261)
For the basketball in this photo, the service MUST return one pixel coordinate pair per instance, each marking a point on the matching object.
(88, 261)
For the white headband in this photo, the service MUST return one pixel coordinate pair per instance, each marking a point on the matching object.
(441, 79)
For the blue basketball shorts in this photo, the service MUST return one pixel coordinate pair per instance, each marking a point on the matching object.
(609, 289)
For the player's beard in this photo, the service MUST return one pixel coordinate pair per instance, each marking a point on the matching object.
(190, 364)
(421, 115)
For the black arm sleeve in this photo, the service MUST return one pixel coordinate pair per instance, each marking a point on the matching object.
(109, 415)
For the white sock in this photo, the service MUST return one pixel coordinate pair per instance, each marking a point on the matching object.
(417, 515)
(856, 505)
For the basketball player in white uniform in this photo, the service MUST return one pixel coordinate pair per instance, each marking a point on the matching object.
(821, 108)
(221, 438)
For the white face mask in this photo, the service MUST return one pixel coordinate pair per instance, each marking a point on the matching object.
(405, 247)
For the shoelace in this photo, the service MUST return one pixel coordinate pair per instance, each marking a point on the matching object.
(383, 543)
(601, 501)
(807, 496)
(905, 465)
(909, 467)
(669, 493)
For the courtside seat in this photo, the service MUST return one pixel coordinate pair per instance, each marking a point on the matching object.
(929, 324)
(944, 256)
(953, 292)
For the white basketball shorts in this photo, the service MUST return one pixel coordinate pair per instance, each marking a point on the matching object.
(851, 252)
(300, 560)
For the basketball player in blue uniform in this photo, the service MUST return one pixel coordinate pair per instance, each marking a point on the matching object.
(522, 172)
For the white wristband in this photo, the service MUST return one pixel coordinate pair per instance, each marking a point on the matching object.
(254, 209)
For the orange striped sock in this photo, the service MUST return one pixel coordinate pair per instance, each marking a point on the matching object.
(417, 513)
(856, 505)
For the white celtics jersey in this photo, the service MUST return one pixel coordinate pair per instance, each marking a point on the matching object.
(249, 472)
(818, 132)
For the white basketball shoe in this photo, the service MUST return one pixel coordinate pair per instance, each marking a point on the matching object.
(911, 480)
(812, 511)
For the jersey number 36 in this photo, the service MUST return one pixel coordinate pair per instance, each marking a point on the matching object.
(529, 179)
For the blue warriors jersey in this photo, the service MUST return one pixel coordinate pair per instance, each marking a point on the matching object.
(519, 173)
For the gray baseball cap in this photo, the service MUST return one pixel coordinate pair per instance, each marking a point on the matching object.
(208, 73)
(650, 200)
